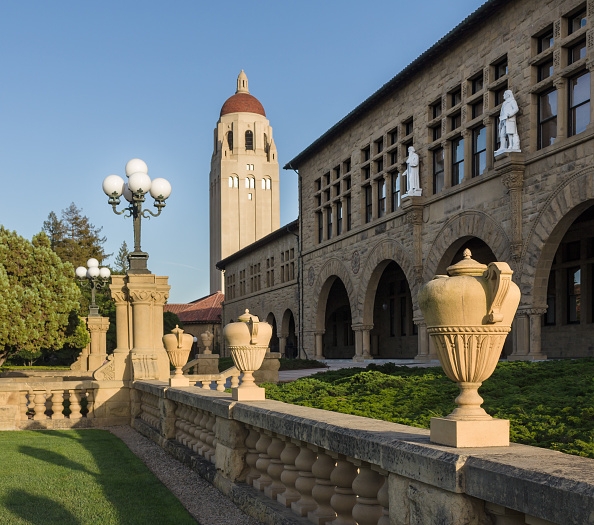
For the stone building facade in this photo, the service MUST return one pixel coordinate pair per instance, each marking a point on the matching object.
(244, 178)
(366, 247)
(264, 278)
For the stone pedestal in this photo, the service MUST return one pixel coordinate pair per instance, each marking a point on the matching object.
(98, 348)
(140, 354)
(468, 433)
(268, 372)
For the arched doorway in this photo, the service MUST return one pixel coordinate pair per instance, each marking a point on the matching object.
(394, 335)
(270, 319)
(568, 324)
(289, 333)
(339, 338)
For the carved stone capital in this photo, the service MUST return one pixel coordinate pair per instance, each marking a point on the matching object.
(513, 179)
(532, 310)
(590, 65)
(415, 216)
(559, 83)
(516, 251)
(160, 297)
(140, 296)
(361, 327)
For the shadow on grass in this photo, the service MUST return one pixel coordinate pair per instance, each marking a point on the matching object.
(134, 495)
(37, 510)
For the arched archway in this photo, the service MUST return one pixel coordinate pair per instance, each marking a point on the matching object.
(273, 345)
(465, 226)
(289, 334)
(481, 252)
(337, 336)
(394, 335)
(331, 270)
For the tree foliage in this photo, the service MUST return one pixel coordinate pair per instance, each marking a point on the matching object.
(121, 263)
(73, 237)
(37, 295)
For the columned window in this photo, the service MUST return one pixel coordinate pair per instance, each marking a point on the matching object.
(338, 218)
(381, 197)
(579, 103)
(395, 190)
(457, 161)
(438, 170)
(547, 118)
(368, 204)
(479, 151)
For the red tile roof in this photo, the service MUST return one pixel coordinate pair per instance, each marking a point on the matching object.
(242, 103)
(205, 310)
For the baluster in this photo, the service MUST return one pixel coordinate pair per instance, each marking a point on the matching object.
(275, 468)
(305, 481)
(367, 510)
(221, 384)
(383, 497)
(288, 475)
(203, 435)
(74, 404)
(344, 498)
(27, 399)
(323, 490)
(251, 456)
(90, 395)
(210, 438)
(57, 399)
(191, 428)
(197, 430)
(38, 405)
(206, 384)
(178, 423)
(235, 380)
(263, 461)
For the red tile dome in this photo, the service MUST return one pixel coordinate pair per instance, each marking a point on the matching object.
(242, 103)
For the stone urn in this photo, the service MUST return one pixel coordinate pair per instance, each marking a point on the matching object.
(247, 340)
(178, 346)
(468, 315)
(207, 338)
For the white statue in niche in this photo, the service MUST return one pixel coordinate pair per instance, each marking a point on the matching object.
(508, 131)
(413, 184)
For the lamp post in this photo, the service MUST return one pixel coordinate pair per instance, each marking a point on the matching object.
(134, 191)
(96, 277)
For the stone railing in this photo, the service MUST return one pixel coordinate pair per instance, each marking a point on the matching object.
(51, 404)
(291, 464)
(205, 381)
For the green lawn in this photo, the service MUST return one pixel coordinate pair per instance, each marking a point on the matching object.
(549, 404)
(80, 477)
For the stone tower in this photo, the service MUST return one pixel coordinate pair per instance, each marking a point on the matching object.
(244, 179)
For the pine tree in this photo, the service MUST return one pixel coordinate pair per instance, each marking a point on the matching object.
(74, 238)
(121, 263)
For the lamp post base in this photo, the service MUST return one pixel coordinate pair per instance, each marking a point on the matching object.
(138, 262)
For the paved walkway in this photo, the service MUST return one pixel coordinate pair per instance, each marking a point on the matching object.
(337, 364)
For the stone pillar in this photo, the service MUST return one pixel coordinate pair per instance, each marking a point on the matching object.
(467, 136)
(527, 335)
(414, 216)
(358, 329)
(282, 344)
(511, 167)
(423, 353)
(97, 327)
(374, 200)
(319, 344)
(367, 341)
(119, 294)
(488, 123)
(447, 164)
(160, 294)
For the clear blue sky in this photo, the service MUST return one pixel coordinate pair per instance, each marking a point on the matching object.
(86, 86)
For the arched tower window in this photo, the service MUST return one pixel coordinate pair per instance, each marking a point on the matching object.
(230, 182)
(230, 140)
(266, 183)
(250, 182)
(249, 140)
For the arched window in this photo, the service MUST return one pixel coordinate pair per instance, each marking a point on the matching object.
(250, 182)
(249, 140)
(266, 183)
(230, 140)
(230, 182)
(236, 182)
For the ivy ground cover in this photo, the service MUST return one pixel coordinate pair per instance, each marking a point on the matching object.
(549, 404)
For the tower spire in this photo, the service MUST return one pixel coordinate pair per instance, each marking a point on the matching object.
(242, 83)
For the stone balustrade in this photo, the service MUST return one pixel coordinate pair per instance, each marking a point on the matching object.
(205, 381)
(47, 403)
(290, 464)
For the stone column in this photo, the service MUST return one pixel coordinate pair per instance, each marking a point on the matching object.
(319, 344)
(447, 164)
(119, 294)
(562, 106)
(423, 353)
(358, 329)
(488, 123)
(282, 344)
(511, 167)
(367, 341)
(374, 200)
(160, 295)
(97, 327)
(467, 136)
(535, 333)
